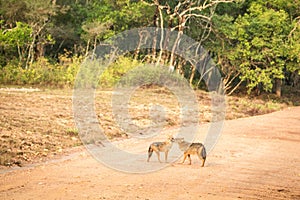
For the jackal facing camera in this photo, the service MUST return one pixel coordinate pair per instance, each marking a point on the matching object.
(158, 147)
(190, 149)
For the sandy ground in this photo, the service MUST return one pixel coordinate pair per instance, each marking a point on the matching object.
(255, 158)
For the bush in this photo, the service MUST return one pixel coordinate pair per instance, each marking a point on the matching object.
(41, 72)
(148, 75)
(112, 75)
(123, 71)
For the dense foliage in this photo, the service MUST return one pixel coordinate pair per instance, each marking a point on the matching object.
(255, 43)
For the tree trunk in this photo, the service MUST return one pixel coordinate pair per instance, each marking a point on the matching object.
(277, 87)
(95, 47)
(295, 78)
(161, 38)
(155, 24)
(30, 56)
(87, 47)
(137, 50)
(40, 50)
(20, 53)
(192, 75)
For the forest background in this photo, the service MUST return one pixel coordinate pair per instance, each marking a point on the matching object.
(254, 43)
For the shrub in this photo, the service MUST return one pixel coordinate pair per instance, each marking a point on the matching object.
(42, 72)
(112, 75)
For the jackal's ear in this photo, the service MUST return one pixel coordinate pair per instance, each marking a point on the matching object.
(178, 139)
(170, 136)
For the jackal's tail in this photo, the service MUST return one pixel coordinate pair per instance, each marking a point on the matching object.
(150, 151)
(203, 152)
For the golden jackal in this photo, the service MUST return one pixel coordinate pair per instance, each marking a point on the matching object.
(158, 147)
(191, 148)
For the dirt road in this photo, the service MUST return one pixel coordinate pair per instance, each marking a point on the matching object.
(255, 158)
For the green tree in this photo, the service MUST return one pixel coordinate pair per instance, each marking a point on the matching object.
(255, 45)
(37, 14)
(109, 17)
(261, 46)
(14, 42)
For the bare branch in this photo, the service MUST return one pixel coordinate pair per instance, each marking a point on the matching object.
(295, 27)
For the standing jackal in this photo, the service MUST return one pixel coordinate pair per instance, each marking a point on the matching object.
(191, 148)
(158, 147)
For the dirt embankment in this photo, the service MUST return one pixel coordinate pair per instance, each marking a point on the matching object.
(255, 158)
(37, 124)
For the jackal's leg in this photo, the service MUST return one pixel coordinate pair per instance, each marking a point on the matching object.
(166, 156)
(184, 157)
(189, 156)
(158, 156)
(203, 161)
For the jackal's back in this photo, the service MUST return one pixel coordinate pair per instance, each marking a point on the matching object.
(191, 148)
(194, 148)
(161, 146)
